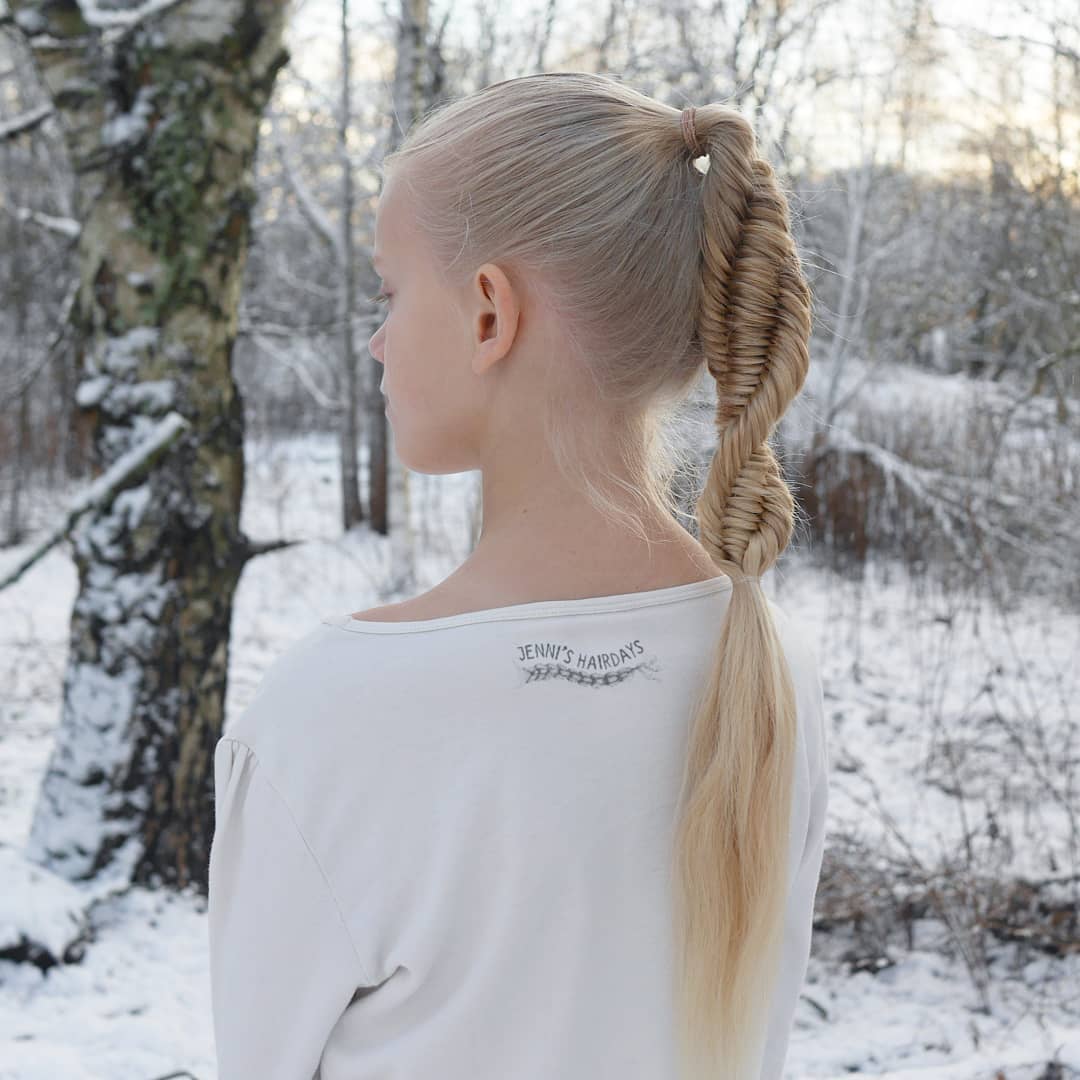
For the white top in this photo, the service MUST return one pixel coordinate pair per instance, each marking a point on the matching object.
(473, 815)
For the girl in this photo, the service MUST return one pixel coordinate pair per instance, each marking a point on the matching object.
(562, 816)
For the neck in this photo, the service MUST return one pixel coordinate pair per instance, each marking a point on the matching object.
(541, 539)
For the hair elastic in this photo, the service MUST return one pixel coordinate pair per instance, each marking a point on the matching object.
(690, 135)
(745, 579)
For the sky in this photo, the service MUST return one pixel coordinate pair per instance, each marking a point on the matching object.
(965, 93)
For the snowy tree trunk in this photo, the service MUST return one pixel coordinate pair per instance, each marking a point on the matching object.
(160, 103)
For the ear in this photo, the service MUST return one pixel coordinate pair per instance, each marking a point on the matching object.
(494, 314)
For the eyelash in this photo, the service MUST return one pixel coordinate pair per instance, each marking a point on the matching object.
(379, 298)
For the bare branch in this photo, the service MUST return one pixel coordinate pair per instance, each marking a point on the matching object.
(65, 226)
(263, 547)
(9, 129)
(1058, 47)
(955, 502)
(25, 379)
(322, 399)
(313, 213)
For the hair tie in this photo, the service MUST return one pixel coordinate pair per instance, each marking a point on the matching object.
(746, 579)
(689, 132)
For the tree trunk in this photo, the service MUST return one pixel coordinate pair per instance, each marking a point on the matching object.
(21, 460)
(389, 476)
(352, 512)
(160, 106)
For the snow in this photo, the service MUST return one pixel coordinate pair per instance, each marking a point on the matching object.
(926, 688)
(129, 126)
(102, 18)
(194, 21)
(91, 390)
(65, 226)
(119, 354)
(37, 906)
(30, 21)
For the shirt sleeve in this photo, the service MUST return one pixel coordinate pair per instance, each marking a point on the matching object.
(282, 964)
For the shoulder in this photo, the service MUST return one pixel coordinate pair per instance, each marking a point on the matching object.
(302, 690)
(327, 715)
(435, 603)
(403, 610)
(799, 639)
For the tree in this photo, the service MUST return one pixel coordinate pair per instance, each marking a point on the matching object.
(416, 86)
(160, 107)
(351, 510)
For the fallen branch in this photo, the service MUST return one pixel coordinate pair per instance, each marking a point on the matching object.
(18, 125)
(100, 493)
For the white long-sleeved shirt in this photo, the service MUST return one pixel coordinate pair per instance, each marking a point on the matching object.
(442, 847)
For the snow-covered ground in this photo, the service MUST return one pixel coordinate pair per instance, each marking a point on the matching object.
(945, 716)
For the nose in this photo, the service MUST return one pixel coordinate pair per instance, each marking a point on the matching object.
(375, 345)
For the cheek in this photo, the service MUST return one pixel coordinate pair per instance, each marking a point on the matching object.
(434, 409)
(412, 349)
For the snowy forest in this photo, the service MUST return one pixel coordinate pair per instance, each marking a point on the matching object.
(195, 465)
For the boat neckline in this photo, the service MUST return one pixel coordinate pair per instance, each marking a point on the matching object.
(538, 609)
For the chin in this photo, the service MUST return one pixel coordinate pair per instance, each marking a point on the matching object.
(430, 444)
(429, 459)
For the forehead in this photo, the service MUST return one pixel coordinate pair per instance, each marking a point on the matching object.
(390, 227)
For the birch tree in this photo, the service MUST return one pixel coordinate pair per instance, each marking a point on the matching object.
(160, 104)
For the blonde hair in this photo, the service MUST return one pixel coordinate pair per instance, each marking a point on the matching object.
(657, 267)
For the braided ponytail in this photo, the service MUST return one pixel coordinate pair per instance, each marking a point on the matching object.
(730, 876)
